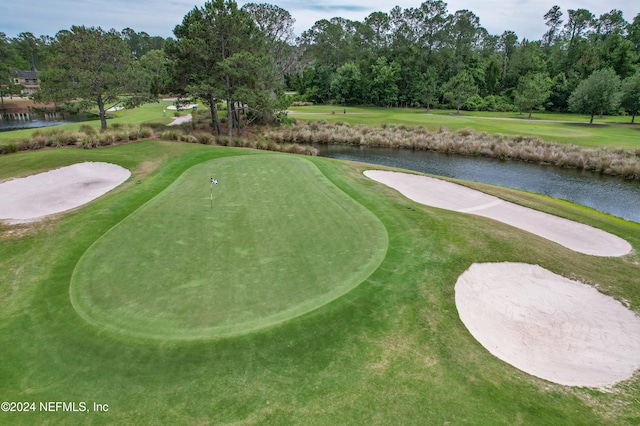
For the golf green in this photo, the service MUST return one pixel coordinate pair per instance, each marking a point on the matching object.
(276, 240)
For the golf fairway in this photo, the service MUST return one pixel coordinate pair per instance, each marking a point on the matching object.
(277, 240)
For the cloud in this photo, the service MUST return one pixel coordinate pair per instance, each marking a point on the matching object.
(333, 9)
(158, 17)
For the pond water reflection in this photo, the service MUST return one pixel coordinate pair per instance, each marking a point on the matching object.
(9, 125)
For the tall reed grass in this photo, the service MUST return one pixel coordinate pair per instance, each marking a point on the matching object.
(88, 137)
(85, 137)
(610, 161)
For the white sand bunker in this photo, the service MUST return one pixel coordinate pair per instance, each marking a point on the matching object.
(33, 197)
(549, 326)
(446, 195)
(183, 107)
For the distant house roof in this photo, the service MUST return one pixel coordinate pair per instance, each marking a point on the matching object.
(25, 74)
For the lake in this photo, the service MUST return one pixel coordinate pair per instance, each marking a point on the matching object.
(616, 196)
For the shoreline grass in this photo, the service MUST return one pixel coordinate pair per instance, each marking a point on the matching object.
(612, 149)
(550, 127)
(88, 137)
(615, 162)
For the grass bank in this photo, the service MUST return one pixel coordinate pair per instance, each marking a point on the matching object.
(88, 137)
(149, 113)
(561, 128)
(391, 351)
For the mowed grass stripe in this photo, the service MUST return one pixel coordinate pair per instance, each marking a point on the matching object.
(279, 240)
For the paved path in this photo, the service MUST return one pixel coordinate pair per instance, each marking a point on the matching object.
(180, 120)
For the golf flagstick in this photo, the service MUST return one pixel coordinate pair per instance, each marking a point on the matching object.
(213, 181)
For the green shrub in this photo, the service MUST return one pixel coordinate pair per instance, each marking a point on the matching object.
(8, 148)
(474, 103)
(222, 140)
(504, 104)
(205, 138)
(201, 114)
(170, 135)
(107, 138)
(72, 138)
(89, 141)
(88, 130)
(145, 132)
(23, 144)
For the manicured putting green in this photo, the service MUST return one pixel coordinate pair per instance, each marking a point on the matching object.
(279, 241)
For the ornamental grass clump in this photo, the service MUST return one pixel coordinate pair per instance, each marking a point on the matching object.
(205, 138)
(38, 140)
(9, 148)
(88, 141)
(186, 137)
(59, 138)
(299, 149)
(72, 138)
(145, 132)
(88, 130)
(170, 135)
(86, 137)
(106, 139)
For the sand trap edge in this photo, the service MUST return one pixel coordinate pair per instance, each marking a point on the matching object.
(442, 194)
(35, 197)
(548, 326)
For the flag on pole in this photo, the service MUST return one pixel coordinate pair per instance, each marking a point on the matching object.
(213, 182)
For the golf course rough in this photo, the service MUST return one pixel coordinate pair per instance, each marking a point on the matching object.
(277, 240)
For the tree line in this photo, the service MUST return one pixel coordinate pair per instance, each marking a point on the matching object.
(242, 58)
(221, 54)
(425, 56)
(30, 53)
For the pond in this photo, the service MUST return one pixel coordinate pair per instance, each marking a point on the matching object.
(9, 125)
(616, 196)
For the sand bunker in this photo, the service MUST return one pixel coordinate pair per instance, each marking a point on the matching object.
(33, 197)
(183, 107)
(446, 195)
(549, 326)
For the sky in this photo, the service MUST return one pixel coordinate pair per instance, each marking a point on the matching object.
(159, 17)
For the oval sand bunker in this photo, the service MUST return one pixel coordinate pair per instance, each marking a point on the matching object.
(549, 326)
(450, 196)
(33, 197)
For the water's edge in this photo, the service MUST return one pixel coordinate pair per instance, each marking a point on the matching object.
(612, 195)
